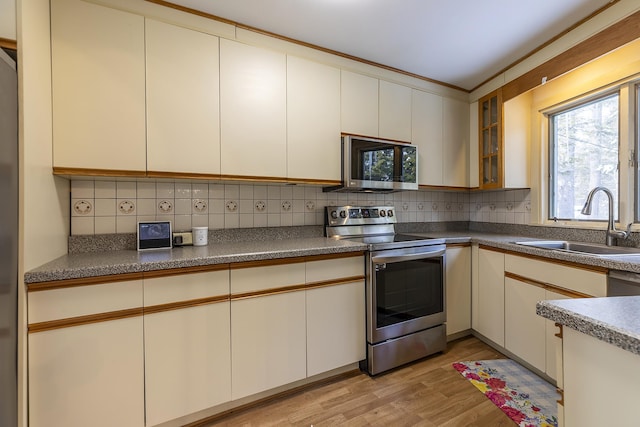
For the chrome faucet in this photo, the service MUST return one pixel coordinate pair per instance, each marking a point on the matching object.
(612, 233)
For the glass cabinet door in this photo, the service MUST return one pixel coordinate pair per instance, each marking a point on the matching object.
(491, 140)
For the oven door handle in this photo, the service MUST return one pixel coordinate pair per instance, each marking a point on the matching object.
(410, 257)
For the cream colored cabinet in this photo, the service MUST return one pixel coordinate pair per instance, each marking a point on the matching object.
(98, 84)
(182, 92)
(313, 120)
(268, 332)
(455, 143)
(253, 129)
(524, 330)
(553, 344)
(359, 104)
(426, 134)
(394, 111)
(187, 344)
(335, 310)
(86, 362)
(458, 292)
(490, 295)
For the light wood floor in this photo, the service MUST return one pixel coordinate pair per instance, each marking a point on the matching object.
(427, 393)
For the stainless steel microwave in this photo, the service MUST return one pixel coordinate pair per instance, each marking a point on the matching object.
(370, 164)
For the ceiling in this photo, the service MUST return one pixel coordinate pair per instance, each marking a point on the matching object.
(458, 42)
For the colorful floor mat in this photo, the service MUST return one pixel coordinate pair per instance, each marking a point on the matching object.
(526, 398)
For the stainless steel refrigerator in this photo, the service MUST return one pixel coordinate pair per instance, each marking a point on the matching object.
(8, 240)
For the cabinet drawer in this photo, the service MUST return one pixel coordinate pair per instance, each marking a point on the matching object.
(329, 269)
(261, 278)
(572, 278)
(184, 287)
(84, 300)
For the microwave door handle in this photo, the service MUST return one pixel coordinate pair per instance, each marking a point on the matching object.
(410, 257)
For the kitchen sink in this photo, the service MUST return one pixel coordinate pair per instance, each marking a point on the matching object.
(580, 248)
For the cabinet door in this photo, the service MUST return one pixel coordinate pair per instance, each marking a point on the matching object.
(253, 139)
(524, 330)
(491, 295)
(359, 104)
(426, 134)
(183, 129)
(456, 142)
(313, 120)
(98, 87)
(458, 295)
(553, 343)
(394, 112)
(187, 350)
(87, 375)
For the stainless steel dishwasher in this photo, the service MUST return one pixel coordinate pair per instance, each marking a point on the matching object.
(623, 283)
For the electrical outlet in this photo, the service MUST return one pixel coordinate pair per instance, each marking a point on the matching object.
(183, 239)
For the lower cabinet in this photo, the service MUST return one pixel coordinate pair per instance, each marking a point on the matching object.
(87, 375)
(458, 289)
(187, 344)
(490, 295)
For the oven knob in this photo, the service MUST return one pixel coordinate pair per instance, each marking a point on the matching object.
(334, 214)
(383, 213)
(343, 214)
(389, 213)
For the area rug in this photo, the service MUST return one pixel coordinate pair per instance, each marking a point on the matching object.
(526, 398)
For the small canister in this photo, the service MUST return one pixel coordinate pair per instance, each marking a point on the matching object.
(200, 236)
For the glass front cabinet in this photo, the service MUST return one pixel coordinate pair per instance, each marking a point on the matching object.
(490, 120)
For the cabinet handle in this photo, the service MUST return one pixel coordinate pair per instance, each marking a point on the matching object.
(559, 334)
(561, 400)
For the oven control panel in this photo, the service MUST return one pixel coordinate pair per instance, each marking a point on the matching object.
(354, 215)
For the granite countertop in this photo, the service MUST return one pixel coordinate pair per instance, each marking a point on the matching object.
(105, 263)
(613, 320)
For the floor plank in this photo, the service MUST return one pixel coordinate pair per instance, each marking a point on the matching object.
(427, 393)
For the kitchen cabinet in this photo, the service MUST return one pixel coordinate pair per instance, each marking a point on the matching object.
(458, 292)
(504, 141)
(98, 84)
(335, 311)
(455, 134)
(187, 344)
(182, 93)
(427, 134)
(313, 121)
(253, 129)
(553, 343)
(490, 295)
(394, 111)
(268, 332)
(86, 361)
(358, 104)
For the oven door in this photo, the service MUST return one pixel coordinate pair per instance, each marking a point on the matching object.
(406, 291)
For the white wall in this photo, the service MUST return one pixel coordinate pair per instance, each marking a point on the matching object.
(44, 199)
(8, 19)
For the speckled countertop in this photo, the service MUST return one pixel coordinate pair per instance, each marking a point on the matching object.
(613, 320)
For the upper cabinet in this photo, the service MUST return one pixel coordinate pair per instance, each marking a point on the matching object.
(394, 113)
(359, 104)
(455, 133)
(98, 83)
(313, 128)
(426, 133)
(253, 128)
(503, 141)
(182, 91)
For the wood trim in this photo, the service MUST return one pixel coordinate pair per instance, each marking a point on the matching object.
(8, 44)
(84, 320)
(568, 292)
(547, 43)
(377, 138)
(266, 262)
(560, 333)
(183, 175)
(607, 40)
(298, 42)
(491, 248)
(161, 308)
(442, 188)
(313, 181)
(184, 270)
(83, 281)
(594, 268)
(98, 172)
(335, 282)
(341, 255)
(280, 179)
(561, 393)
(270, 291)
(221, 415)
(499, 155)
(459, 245)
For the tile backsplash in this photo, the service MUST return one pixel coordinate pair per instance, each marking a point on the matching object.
(107, 207)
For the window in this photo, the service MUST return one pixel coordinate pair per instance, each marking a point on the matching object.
(584, 147)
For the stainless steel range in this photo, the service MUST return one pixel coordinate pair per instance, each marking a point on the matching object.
(405, 286)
